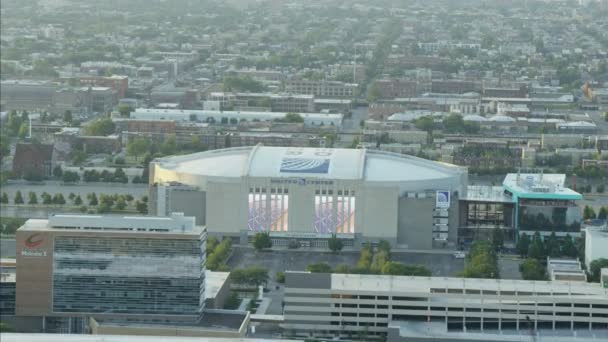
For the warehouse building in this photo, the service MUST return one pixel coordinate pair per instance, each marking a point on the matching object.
(311, 193)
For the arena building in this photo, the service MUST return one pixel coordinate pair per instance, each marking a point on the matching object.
(309, 194)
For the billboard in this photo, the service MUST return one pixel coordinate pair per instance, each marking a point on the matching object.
(442, 199)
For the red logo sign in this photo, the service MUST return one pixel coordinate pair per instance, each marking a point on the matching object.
(34, 240)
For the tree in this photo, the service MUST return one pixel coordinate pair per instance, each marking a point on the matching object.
(169, 146)
(532, 269)
(262, 241)
(365, 258)
(335, 244)
(70, 177)
(67, 116)
(401, 269)
(253, 276)
(319, 267)
(280, 277)
(33, 199)
(600, 188)
(588, 213)
(342, 268)
(425, 123)
(77, 200)
(71, 196)
(23, 130)
(552, 246)
(101, 127)
(568, 247)
(120, 176)
(603, 214)
(385, 246)
(121, 204)
(46, 198)
(537, 248)
(523, 245)
(4, 199)
(378, 261)
(125, 110)
(142, 207)
(481, 261)
(293, 117)
(498, 239)
(373, 94)
(138, 146)
(595, 268)
(58, 199)
(18, 198)
(57, 171)
(92, 199)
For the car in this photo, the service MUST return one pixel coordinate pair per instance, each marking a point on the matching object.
(459, 255)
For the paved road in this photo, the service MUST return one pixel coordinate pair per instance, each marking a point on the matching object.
(53, 187)
(7, 248)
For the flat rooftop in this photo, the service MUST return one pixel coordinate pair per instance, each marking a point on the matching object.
(230, 320)
(214, 281)
(15, 337)
(438, 332)
(539, 186)
(381, 283)
(481, 193)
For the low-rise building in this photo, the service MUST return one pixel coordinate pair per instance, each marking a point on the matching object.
(335, 306)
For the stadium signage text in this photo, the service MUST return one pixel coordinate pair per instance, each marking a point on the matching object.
(301, 181)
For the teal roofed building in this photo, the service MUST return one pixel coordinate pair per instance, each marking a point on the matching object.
(524, 204)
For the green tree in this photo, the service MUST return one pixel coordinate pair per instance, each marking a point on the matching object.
(125, 110)
(537, 248)
(23, 130)
(595, 269)
(4, 199)
(280, 277)
(262, 241)
(532, 269)
(588, 213)
(319, 267)
(600, 188)
(70, 177)
(425, 123)
(342, 268)
(46, 198)
(92, 199)
(18, 198)
(400, 269)
(481, 261)
(552, 246)
(121, 204)
(385, 246)
(335, 244)
(77, 200)
(523, 245)
(498, 239)
(142, 207)
(380, 258)
(33, 199)
(100, 127)
(603, 214)
(138, 146)
(365, 258)
(169, 146)
(568, 247)
(373, 93)
(57, 171)
(58, 199)
(293, 117)
(232, 302)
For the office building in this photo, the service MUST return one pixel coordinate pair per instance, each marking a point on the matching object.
(524, 203)
(75, 267)
(321, 88)
(312, 193)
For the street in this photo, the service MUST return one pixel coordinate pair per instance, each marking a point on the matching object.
(53, 187)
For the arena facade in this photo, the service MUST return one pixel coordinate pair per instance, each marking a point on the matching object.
(308, 194)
